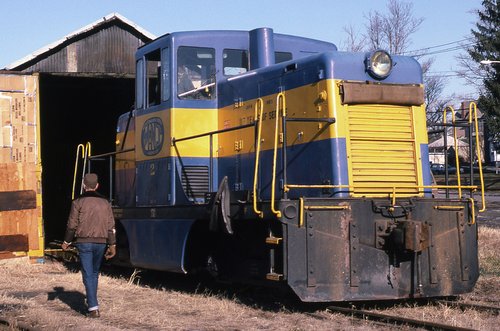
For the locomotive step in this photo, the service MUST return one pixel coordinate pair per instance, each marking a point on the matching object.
(273, 240)
(274, 276)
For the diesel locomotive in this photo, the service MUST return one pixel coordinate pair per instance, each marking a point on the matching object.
(263, 157)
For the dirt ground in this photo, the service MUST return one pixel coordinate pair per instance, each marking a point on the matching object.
(50, 296)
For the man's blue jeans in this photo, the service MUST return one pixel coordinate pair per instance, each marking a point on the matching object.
(91, 255)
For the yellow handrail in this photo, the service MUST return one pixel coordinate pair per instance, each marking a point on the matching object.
(85, 158)
(80, 146)
(457, 162)
(259, 107)
(392, 196)
(473, 109)
(280, 100)
(86, 153)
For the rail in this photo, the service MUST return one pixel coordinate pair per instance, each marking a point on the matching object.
(280, 101)
(473, 109)
(258, 121)
(111, 156)
(393, 196)
(457, 163)
(259, 108)
(86, 151)
(211, 145)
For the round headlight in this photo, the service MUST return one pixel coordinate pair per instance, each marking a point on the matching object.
(379, 64)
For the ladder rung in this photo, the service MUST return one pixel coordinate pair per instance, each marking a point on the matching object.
(273, 240)
(274, 276)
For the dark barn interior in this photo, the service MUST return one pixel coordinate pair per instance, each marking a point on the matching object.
(76, 110)
(86, 80)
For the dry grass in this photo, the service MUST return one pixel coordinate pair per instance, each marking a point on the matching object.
(489, 251)
(51, 297)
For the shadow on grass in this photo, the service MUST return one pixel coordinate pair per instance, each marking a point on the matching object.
(74, 299)
(267, 298)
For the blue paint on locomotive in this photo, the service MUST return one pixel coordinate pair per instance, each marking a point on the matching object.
(296, 73)
(152, 183)
(330, 167)
(159, 183)
(298, 47)
(158, 244)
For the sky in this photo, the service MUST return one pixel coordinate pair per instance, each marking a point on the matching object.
(28, 25)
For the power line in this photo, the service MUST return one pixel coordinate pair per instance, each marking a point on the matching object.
(449, 49)
(446, 50)
(441, 45)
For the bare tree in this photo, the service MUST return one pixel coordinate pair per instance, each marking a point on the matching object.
(354, 42)
(470, 70)
(392, 31)
(434, 102)
(374, 30)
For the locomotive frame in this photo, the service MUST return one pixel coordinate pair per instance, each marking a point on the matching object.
(287, 161)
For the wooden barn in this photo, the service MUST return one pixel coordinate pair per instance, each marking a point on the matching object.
(65, 94)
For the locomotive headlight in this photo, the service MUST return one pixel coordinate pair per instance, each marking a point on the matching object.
(379, 64)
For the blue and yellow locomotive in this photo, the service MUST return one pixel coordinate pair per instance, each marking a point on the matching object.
(266, 157)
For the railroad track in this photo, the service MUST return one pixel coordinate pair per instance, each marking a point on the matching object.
(428, 325)
(465, 305)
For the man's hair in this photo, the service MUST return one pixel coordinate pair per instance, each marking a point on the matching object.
(90, 181)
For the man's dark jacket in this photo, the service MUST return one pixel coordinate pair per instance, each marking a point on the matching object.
(91, 220)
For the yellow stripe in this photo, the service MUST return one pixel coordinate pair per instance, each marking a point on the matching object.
(179, 123)
(190, 122)
(301, 102)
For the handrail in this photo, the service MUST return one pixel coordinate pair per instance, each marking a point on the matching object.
(321, 186)
(209, 133)
(457, 162)
(111, 153)
(78, 148)
(259, 107)
(280, 100)
(473, 109)
(86, 152)
(392, 196)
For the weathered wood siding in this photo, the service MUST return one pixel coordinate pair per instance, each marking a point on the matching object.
(107, 49)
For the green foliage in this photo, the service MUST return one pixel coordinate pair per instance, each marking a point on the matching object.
(487, 47)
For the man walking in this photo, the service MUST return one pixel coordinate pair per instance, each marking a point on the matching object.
(91, 226)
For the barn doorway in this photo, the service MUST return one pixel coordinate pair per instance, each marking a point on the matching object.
(76, 109)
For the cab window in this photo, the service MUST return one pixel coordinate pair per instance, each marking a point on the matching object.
(235, 62)
(195, 73)
(153, 80)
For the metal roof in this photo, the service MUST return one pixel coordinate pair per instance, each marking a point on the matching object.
(75, 34)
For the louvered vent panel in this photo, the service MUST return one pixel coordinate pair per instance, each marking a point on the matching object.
(195, 181)
(382, 150)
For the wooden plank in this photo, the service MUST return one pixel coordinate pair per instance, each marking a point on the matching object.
(20, 169)
(17, 200)
(14, 243)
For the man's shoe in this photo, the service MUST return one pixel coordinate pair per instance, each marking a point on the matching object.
(94, 314)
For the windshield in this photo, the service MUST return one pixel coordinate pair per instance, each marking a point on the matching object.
(195, 73)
